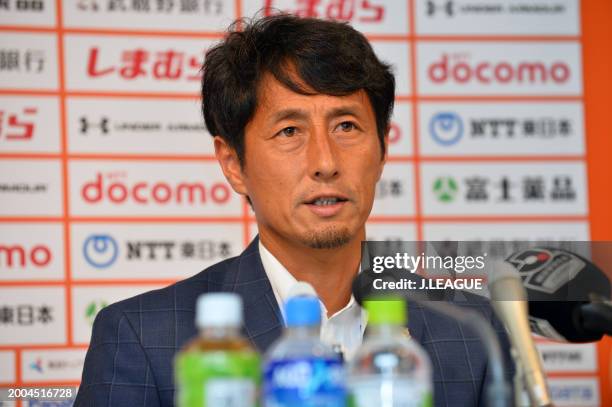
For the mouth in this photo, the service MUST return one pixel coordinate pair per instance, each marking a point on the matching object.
(326, 201)
(326, 205)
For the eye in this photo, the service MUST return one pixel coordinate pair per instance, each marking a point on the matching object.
(347, 126)
(288, 131)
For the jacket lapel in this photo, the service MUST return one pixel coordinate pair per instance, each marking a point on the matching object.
(262, 322)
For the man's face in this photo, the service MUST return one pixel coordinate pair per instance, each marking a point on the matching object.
(311, 165)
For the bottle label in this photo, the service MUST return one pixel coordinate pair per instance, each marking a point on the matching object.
(400, 392)
(305, 382)
(230, 393)
(217, 379)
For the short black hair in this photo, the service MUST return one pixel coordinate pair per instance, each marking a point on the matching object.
(329, 57)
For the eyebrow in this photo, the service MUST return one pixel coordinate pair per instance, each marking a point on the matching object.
(299, 114)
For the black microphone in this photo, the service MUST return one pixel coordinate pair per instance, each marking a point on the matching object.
(569, 296)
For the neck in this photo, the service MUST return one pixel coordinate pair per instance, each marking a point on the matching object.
(329, 271)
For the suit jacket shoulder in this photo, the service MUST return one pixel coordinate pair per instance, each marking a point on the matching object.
(130, 357)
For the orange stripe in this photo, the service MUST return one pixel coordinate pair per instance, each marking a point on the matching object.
(74, 283)
(219, 35)
(142, 33)
(241, 219)
(204, 157)
(499, 98)
(597, 65)
(28, 92)
(415, 124)
(497, 38)
(196, 96)
(571, 375)
(51, 383)
(65, 182)
(132, 281)
(42, 346)
(142, 157)
(17, 367)
(155, 219)
(27, 29)
(30, 219)
(503, 158)
(508, 218)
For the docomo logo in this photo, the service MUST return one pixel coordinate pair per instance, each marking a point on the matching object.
(462, 72)
(17, 255)
(144, 193)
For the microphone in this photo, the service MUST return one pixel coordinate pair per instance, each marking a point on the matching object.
(569, 296)
(508, 298)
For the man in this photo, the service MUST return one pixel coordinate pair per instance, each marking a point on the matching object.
(299, 110)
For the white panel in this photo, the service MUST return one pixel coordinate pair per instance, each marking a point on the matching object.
(7, 366)
(400, 134)
(575, 391)
(369, 17)
(33, 315)
(137, 126)
(28, 13)
(163, 188)
(30, 187)
(31, 251)
(30, 61)
(198, 15)
(29, 124)
(565, 357)
(533, 188)
(488, 68)
(513, 17)
(507, 231)
(110, 63)
(397, 54)
(394, 191)
(145, 251)
(52, 365)
(501, 128)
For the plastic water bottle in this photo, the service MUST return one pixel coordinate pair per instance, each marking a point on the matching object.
(299, 369)
(219, 368)
(389, 369)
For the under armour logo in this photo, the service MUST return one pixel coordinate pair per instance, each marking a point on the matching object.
(447, 7)
(86, 125)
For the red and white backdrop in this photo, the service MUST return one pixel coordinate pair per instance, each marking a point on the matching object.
(108, 184)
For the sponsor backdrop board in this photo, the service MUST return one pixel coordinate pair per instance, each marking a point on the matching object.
(109, 186)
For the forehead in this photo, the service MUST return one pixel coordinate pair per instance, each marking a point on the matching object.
(273, 96)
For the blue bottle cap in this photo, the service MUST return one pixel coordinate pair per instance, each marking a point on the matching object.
(303, 311)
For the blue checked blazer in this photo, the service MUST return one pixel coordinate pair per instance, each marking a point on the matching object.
(133, 344)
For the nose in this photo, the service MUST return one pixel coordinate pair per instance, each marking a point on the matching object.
(322, 155)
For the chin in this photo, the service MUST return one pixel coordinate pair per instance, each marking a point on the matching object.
(331, 237)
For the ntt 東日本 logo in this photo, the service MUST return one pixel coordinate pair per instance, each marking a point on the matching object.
(100, 251)
(446, 128)
(463, 71)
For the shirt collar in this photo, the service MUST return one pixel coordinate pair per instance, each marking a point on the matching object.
(282, 281)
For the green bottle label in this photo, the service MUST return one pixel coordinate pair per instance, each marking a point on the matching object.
(217, 378)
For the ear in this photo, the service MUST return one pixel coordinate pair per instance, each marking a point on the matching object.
(383, 161)
(230, 165)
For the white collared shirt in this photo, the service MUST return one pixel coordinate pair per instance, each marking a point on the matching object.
(343, 330)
